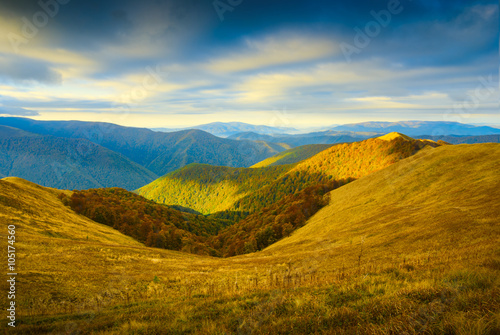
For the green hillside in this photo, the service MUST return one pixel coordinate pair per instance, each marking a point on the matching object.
(207, 188)
(410, 249)
(294, 155)
(66, 163)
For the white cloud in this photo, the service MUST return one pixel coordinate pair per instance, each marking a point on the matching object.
(274, 50)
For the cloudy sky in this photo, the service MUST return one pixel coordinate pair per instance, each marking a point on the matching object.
(170, 63)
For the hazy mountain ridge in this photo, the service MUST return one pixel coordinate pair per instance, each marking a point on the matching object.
(325, 137)
(66, 163)
(419, 128)
(159, 152)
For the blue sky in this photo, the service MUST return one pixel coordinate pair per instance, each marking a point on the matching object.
(171, 63)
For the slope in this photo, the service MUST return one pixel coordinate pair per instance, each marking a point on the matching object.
(150, 223)
(449, 194)
(66, 163)
(294, 155)
(38, 212)
(159, 152)
(280, 207)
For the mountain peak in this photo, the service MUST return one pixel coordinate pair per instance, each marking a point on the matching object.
(394, 135)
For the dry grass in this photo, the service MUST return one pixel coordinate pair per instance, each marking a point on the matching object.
(411, 249)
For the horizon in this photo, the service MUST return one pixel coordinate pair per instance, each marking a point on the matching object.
(297, 130)
(177, 64)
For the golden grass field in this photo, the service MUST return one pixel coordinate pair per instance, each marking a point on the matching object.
(411, 249)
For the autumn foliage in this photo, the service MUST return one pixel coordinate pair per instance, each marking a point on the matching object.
(153, 224)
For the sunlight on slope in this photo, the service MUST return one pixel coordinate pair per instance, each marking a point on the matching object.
(393, 135)
(447, 196)
(38, 211)
(294, 155)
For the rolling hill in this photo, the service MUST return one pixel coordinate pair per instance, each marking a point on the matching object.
(158, 152)
(38, 212)
(450, 191)
(412, 248)
(210, 189)
(66, 163)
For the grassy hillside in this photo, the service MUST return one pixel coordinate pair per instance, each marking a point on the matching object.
(450, 191)
(287, 203)
(157, 151)
(66, 163)
(410, 249)
(294, 155)
(39, 213)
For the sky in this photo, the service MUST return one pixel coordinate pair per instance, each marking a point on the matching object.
(176, 63)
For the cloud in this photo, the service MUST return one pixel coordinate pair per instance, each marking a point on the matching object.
(21, 70)
(17, 111)
(275, 50)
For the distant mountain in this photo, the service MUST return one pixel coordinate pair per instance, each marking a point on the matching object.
(159, 152)
(66, 163)
(466, 139)
(226, 129)
(419, 128)
(294, 155)
(323, 137)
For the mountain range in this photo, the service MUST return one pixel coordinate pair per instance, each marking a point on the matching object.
(226, 129)
(66, 163)
(157, 153)
(81, 155)
(419, 128)
(210, 189)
